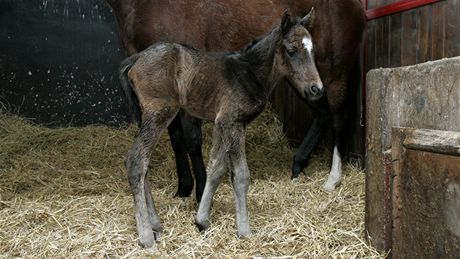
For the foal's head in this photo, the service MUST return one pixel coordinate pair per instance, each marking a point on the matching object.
(295, 56)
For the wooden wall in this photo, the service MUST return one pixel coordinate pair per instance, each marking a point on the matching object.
(426, 33)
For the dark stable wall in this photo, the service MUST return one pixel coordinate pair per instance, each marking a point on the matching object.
(59, 61)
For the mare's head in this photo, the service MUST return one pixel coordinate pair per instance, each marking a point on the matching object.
(295, 57)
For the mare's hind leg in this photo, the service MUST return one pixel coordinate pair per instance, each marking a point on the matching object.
(193, 141)
(310, 141)
(137, 160)
(337, 93)
(216, 168)
(335, 175)
(184, 176)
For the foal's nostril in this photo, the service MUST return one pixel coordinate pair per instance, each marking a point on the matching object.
(315, 90)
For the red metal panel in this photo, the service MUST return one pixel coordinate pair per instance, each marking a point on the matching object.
(397, 7)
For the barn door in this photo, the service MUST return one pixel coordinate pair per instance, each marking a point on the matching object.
(425, 193)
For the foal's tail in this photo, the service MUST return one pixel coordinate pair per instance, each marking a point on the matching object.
(126, 84)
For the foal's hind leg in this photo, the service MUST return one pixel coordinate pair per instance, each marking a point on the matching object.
(137, 160)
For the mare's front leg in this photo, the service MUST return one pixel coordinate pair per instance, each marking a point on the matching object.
(309, 143)
(193, 141)
(154, 121)
(216, 168)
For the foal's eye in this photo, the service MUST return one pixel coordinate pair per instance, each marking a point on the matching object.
(291, 52)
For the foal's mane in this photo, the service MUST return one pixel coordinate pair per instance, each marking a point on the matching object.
(262, 39)
(262, 46)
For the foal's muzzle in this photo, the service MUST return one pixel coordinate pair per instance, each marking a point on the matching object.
(314, 92)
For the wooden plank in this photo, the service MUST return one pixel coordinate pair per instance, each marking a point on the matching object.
(409, 37)
(424, 34)
(386, 41)
(442, 142)
(426, 191)
(395, 40)
(370, 56)
(437, 43)
(452, 25)
(380, 52)
(387, 206)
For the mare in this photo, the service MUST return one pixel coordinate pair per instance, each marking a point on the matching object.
(228, 25)
(228, 89)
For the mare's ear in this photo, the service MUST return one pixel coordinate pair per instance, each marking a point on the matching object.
(286, 22)
(308, 20)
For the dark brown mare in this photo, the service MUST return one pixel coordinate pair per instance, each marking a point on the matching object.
(228, 25)
(229, 89)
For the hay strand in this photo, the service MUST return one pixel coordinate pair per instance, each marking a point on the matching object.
(64, 193)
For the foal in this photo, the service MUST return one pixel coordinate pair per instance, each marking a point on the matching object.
(229, 89)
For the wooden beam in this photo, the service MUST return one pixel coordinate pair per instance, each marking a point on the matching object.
(396, 7)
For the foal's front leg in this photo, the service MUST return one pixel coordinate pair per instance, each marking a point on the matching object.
(228, 145)
(240, 179)
(216, 168)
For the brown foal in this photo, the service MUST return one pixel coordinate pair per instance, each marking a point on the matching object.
(229, 89)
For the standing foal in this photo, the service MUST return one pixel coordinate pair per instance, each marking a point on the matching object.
(229, 89)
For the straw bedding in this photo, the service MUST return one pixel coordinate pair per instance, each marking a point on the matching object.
(64, 193)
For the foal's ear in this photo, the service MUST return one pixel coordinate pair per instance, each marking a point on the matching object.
(308, 20)
(286, 22)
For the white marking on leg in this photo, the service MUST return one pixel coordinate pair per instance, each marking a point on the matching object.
(335, 175)
(307, 44)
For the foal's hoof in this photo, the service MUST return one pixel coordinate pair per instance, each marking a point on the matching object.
(202, 225)
(243, 234)
(147, 239)
(157, 235)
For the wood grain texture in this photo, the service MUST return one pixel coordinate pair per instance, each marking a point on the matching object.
(427, 33)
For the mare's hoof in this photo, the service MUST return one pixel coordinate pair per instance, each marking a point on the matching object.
(296, 171)
(199, 194)
(331, 184)
(183, 192)
(297, 167)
